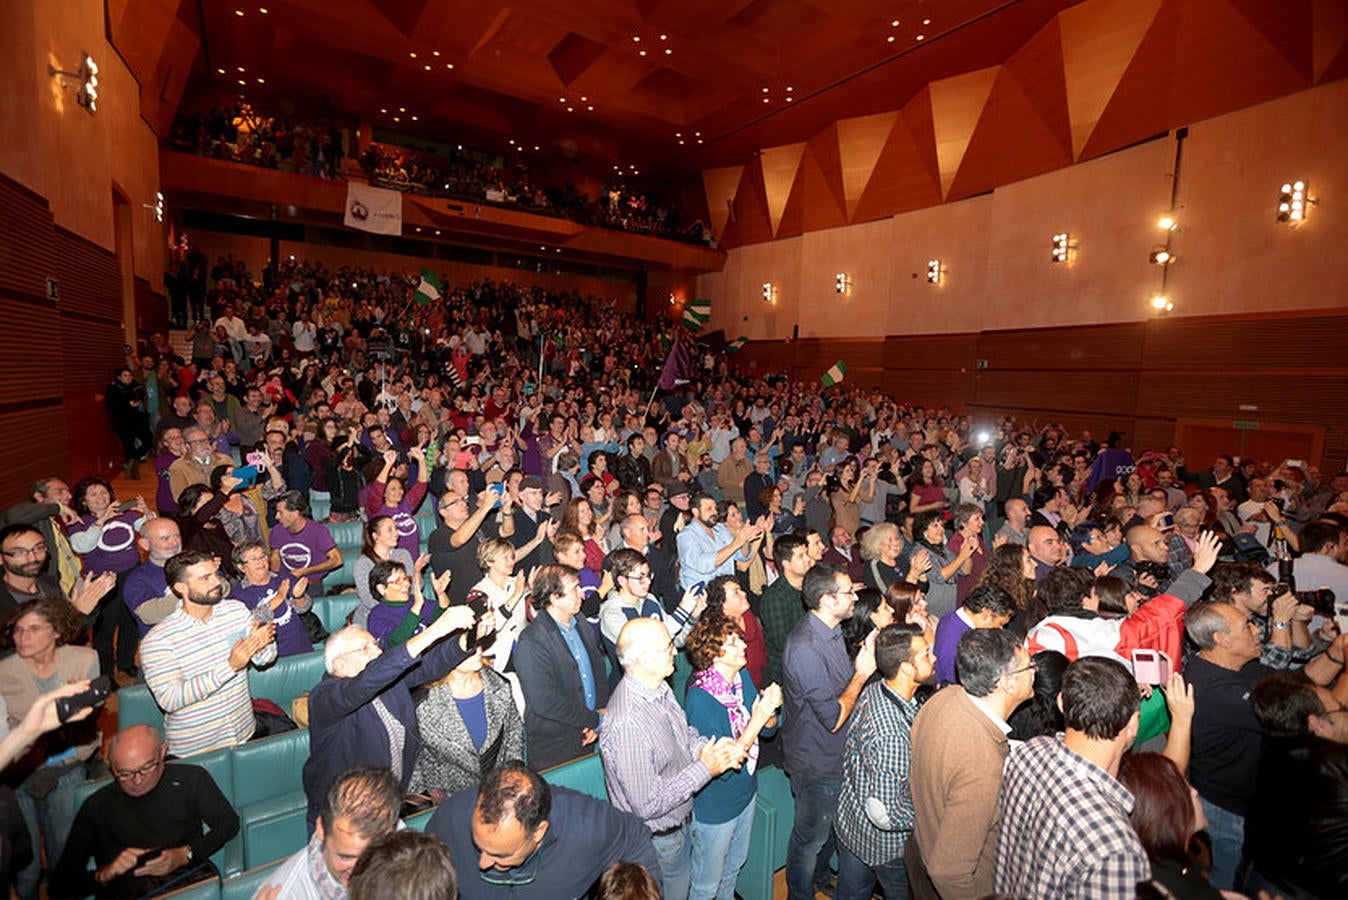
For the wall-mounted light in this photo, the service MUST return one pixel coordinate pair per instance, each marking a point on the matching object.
(1061, 247)
(934, 271)
(769, 292)
(1161, 256)
(1293, 201)
(1161, 303)
(157, 206)
(842, 284)
(86, 82)
(1167, 222)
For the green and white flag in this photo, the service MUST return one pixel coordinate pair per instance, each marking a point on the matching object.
(835, 374)
(696, 314)
(429, 290)
(736, 344)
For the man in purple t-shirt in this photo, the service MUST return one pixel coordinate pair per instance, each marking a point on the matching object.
(301, 547)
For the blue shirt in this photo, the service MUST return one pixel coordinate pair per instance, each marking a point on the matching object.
(815, 671)
(582, 658)
(697, 554)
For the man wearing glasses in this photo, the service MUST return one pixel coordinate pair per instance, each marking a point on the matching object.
(196, 466)
(23, 553)
(516, 836)
(821, 686)
(959, 748)
(144, 831)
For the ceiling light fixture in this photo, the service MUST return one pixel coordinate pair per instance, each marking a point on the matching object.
(1166, 222)
(1161, 256)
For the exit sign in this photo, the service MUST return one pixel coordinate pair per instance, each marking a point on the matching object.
(1245, 426)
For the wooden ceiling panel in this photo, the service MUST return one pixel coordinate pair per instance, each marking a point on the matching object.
(1286, 25)
(780, 165)
(1140, 101)
(573, 55)
(1011, 142)
(1038, 71)
(405, 14)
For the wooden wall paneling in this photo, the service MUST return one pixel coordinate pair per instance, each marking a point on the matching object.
(30, 348)
(1100, 347)
(27, 257)
(931, 388)
(90, 278)
(931, 352)
(906, 175)
(152, 309)
(816, 199)
(1073, 423)
(1268, 396)
(750, 223)
(1059, 391)
(40, 452)
(1310, 342)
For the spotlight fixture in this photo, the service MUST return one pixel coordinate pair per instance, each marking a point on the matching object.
(157, 206)
(87, 82)
(769, 292)
(934, 271)
(1061, 246)
(1167, 223)
(842, 284)
(1293, 201)
(1161, 303)
(1161, 257)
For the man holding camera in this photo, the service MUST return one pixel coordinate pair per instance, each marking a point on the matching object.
(1282, 620)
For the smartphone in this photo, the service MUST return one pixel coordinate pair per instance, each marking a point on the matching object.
(247, 476)
(1150, 666)
(98, 691)
(1167, 521)
(256, 458)
(126, 506)
(699, 588)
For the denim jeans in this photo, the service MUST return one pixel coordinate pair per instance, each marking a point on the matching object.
(719, 852)
(48, 821)
(674, 851)
(1227, 833)
(812, 842)
(856, 880)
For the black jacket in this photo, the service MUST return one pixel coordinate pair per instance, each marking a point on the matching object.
(554, 699)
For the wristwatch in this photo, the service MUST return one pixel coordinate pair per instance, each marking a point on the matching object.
(1282, 626)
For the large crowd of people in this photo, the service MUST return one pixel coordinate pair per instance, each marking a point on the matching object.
(990, 656)
(244, 134)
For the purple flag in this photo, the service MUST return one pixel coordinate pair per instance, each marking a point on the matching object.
(678, 367)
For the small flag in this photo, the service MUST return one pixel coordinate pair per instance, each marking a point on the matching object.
(736, 344)
(678, 367)
(835, 374)
(664, 340)
(696, 314)
(429, 290)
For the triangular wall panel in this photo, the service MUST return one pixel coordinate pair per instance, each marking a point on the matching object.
(860, 141)
(750, 224)
(816, 199)
(1099, 40)
(1286, 25)
(1140, 103)
(905, 176)
(1011, 142)
(956, 105)
(1329, 41)
(780, 165)
(1037, 69)
(720, 186)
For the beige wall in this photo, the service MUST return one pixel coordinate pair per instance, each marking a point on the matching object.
(1233, 257)
(55, 149)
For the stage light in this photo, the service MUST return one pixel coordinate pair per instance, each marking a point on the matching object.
(1161, 257)
(842, 284)
(1062, 243)
(769, 292)
(1293, 202)
(85, 83)
(934, 271)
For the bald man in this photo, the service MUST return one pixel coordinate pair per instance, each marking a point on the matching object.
(1046, 549)
(654, 761)
(146, 592)
(146, 828)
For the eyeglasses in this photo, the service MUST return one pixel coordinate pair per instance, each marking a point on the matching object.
(252, 559)
(1032, 667)
(35, 550)
(638, 576)
(142, 772)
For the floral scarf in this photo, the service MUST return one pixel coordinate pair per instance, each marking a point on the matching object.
(731, 696)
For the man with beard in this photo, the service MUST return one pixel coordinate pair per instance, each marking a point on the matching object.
(706, 546)
(194, 660)
(196, 466)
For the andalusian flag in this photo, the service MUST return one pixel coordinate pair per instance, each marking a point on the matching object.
(736, 344)
(835, 374)
(429, 290)
(696, 314)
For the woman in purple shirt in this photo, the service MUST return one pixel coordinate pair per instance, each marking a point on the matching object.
(172, 447)
(105, 539)
(390, 497)
(260, 584)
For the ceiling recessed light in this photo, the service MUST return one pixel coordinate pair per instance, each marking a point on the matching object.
(664, 37)
(894, 24)
(668, 51)
(641, 53)
(535, 147)
(699, 140)
(449, 65)
(402, 109)
(427, 67)
(435, 53)
(241, 68)
(767, 100)
(680, 143)
(384, 111)
(238, 12)
(561, 99)
(262, 9)
(789, 88)
(413, 55)
(414, 118)
(789, 99)
(890, 39)
(241, 81)
(221, 71)
(590, 108)
(396, 119)
(926, 21)
(697, 134)
(765, 90)
(262, 81)
(921, 37)
(636, 39)
(570, 109)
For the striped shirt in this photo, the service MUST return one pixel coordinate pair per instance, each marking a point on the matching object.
(186, 661)
(875, 769)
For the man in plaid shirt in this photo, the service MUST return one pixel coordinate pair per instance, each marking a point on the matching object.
(1065, 830)
(875, 808)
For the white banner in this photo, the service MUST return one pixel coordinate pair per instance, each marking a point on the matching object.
(373, 209)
